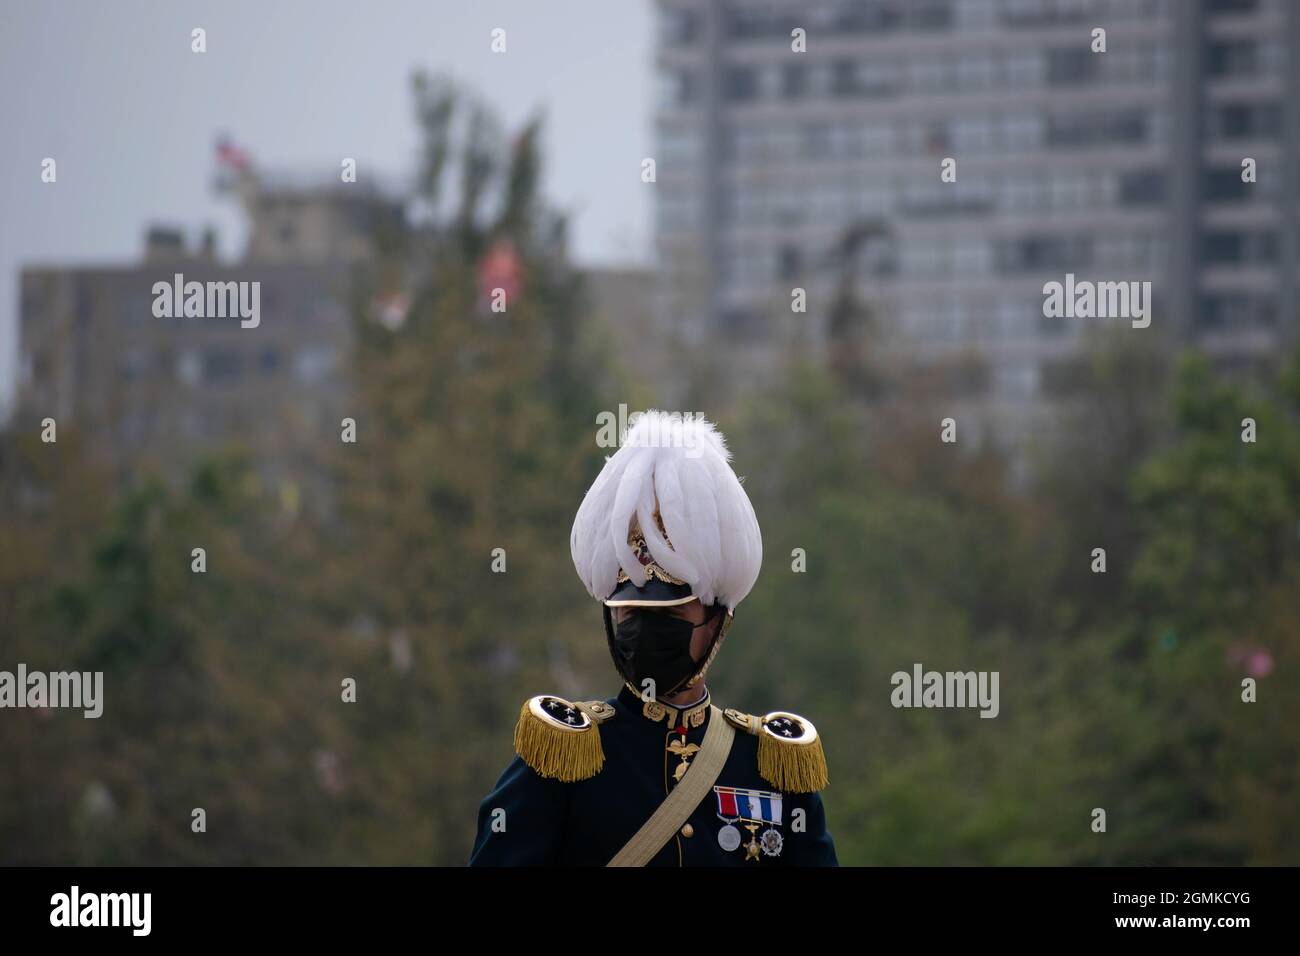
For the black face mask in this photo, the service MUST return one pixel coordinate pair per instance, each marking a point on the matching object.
(649, 645)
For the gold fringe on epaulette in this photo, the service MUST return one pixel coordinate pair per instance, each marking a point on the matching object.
(791, 767)
(565, 755)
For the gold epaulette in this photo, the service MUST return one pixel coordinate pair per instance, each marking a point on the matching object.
(559, 738)
(790, 755)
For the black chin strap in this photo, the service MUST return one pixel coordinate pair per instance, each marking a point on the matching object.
(714, 610)
(609, 637)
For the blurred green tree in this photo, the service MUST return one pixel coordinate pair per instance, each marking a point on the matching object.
(476, 430)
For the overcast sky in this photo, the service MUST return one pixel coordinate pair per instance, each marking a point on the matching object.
(112, 91)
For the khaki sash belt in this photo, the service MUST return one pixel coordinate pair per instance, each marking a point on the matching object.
(686, 796)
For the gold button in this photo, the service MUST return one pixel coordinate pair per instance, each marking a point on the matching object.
(688, 831)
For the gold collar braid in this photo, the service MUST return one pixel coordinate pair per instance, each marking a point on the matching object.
(658, 711)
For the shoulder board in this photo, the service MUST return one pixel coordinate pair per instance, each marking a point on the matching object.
(559, 738)
(598, 710)
(742, 721)
(790, 755)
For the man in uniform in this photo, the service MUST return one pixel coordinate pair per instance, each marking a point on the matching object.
(667, 540)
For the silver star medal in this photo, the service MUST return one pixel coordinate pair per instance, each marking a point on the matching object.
(771, 842)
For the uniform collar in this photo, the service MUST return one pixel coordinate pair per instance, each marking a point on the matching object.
(656, 711)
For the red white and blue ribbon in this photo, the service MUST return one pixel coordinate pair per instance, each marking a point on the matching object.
(762, 806)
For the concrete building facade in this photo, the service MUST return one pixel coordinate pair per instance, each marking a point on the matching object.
(93, 353)
(1120, 165)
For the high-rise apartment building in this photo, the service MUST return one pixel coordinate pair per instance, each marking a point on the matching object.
(1122, 165)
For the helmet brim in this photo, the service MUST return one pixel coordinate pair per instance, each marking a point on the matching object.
(655, 593)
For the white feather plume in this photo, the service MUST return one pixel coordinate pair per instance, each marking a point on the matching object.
(679, 464)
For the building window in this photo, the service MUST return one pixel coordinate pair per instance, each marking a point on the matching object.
(1067, 191)
(1237, 310)
(873, 16)
(189, 368)
(314, 364)
(873, 199)
(975, 13)
(1225, 185)
(789, 262)
(1240, 248)
(679, 144)
(1023, 69)
(741, 83)
(926, 258)
(1069, 66)
(1040, 253)
(927, 74)
(1245, 121)
(972, 134)
(972, 257)
(795, 81)
(1070, 129)
(676, 89)
(1129, 126)
(974, 71)
(1024, 192)
(844, 82)
(1016, 381)
(135, 364)
(974, 195)
(742, 323)
(878, 76)
(843, 140)
(1072, 11)
(679, 27)
(222, 365)
(820, 80)
(818, 140)
(676, 211)
(877, 139)
(931, 14)
(1022, 131)
(1216, 8)
(1141, 187)
(1228, 58)
(31, 305)
(928, 136)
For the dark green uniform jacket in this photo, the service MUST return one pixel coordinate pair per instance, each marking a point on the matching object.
(547, 822)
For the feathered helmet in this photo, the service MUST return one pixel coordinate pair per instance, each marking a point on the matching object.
(667, 522)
